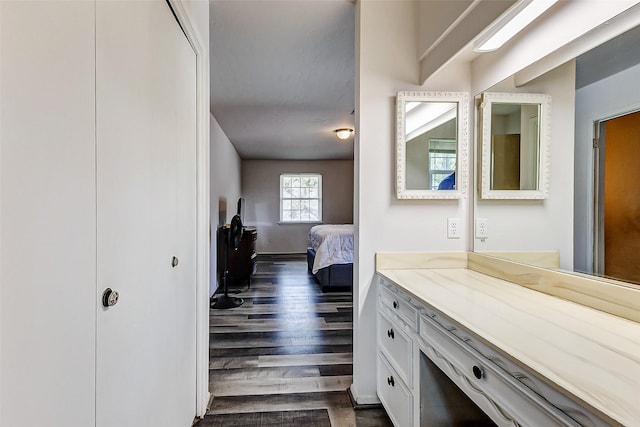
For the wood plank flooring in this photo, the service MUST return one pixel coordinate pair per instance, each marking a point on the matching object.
(284, 358)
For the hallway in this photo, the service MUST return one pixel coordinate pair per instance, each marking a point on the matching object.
(284, 357)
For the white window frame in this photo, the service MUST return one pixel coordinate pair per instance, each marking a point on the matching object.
(282, 198)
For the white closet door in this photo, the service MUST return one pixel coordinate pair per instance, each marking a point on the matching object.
(47, 214)
(145, 92)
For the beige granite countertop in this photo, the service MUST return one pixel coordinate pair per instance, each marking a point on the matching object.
(591, 355)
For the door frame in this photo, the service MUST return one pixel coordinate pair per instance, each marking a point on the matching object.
(597, 189)
(186, 21)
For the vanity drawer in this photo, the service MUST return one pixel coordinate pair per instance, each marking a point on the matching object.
(399, 303)
(498, 394)
(397, 347)
(394, 395)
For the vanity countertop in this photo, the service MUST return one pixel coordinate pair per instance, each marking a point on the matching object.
(591, 355)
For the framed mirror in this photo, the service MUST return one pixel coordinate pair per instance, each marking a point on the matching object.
(431, 145)
(514, 131)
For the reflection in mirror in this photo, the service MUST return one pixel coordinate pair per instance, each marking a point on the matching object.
(431, 129)
(514, 145)
(589, 93)
(431, 145)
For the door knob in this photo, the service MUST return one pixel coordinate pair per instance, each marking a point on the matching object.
(174, 262)
(110, 297)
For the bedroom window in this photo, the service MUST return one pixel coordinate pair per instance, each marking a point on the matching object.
(300, 197)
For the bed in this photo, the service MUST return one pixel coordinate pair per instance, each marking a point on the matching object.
(330, 255)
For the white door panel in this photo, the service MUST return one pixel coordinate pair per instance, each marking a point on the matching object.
(145, 122)
(47, 214)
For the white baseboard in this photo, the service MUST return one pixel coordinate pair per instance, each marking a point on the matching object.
(363, 399)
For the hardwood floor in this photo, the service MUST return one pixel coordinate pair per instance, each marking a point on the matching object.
(284, 358)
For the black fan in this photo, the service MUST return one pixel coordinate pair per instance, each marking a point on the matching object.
(232, 238)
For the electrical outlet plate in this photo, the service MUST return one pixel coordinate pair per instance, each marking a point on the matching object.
(481, 228)
(453, 228)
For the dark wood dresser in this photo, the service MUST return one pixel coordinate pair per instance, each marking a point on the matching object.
(242, 262)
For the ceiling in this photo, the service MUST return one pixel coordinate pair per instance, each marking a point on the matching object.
(282, 76)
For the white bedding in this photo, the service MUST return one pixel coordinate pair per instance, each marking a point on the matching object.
(332, 243)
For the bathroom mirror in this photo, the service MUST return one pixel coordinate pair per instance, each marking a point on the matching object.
(515, 145)
(591, 93)
(431, 145)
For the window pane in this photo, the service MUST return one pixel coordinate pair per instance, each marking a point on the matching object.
(300, 200)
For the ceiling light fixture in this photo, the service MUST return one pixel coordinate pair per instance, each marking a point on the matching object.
(511, 23)
(343, 133)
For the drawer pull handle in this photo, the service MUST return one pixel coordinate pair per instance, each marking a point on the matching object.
(390, 333)
(395, 304)
(478, 372)
(390, 381)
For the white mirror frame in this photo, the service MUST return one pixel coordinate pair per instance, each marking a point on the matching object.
(544, 143)
(462, 144)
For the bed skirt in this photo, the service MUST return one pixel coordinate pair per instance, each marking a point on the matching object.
(333, 277)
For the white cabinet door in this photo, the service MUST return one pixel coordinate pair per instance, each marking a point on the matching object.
(145, 121)
(47, 214)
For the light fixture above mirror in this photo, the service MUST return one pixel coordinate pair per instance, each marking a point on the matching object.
(431, 145)
(511, 23)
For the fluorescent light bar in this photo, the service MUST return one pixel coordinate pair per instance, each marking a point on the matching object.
(521, 15)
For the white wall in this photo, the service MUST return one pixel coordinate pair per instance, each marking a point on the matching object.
(261, 190)
(604, 99)
(385, 64)
(225, 188)
(540, 224)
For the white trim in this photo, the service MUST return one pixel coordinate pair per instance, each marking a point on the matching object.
(202, 206)
(364, 399)
(1, 223)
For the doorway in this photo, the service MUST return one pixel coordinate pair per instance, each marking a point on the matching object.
(617, 198)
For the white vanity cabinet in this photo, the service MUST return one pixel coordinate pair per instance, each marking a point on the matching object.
(397, 327)
(414, 336)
